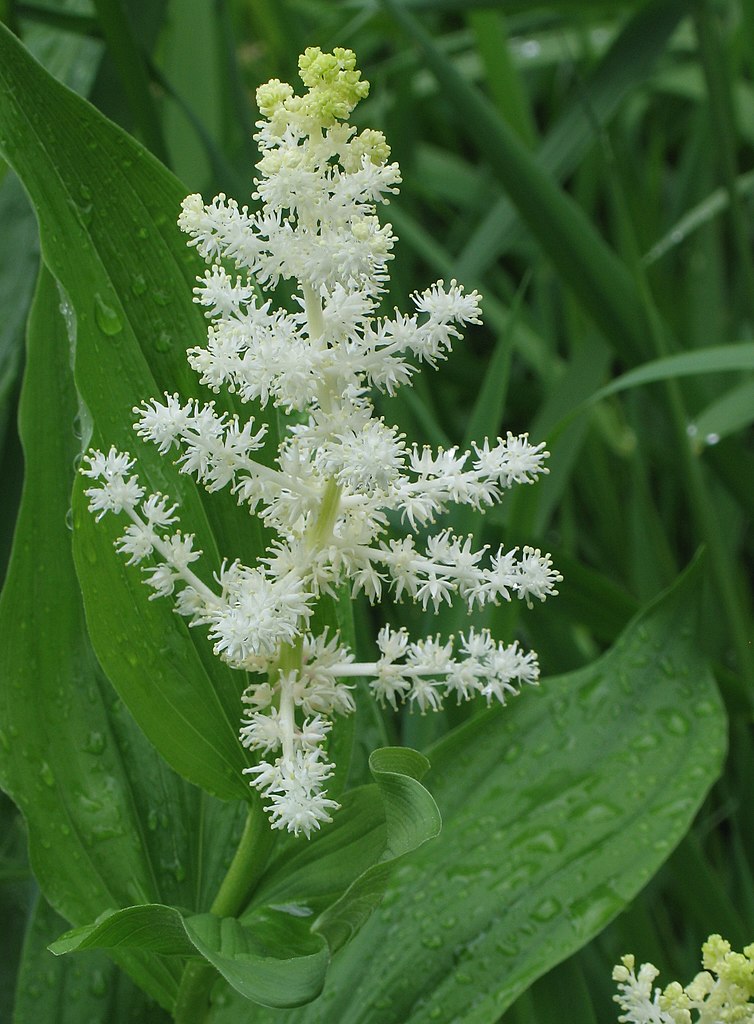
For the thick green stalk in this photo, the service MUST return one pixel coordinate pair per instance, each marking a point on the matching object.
(249, 861)
(322, 528)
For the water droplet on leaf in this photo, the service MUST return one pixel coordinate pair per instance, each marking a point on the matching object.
(108, 320)
(139, 284)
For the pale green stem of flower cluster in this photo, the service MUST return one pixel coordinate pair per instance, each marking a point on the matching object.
(289, 661)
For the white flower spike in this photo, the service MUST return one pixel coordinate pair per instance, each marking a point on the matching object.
(340, 471)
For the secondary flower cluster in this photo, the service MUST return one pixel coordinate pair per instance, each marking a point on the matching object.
(341, 473)
(720, 994)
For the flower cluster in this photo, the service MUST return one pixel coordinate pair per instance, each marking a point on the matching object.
(720, 994)
(341, 473)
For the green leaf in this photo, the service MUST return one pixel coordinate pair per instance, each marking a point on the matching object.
(273, 959)
(107, 215)
(277, 953)
(720, 359)
(716, 202)
(109, 824)
(557, 810)
(18, 266)
(731, 412)
(411, 818)
(153, 927)
(70, 991)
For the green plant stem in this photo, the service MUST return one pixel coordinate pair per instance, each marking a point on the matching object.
(249, 861)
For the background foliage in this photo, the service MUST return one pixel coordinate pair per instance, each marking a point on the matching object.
(586, 165)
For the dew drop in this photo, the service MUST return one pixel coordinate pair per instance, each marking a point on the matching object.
(95, 743)
(592, 912)
(508, 947)
(107, 318)
(139, 284)
(597, 812)
(47, 775)
(704, 708)
(675, 723)
(163, 342)
(97, 984)
(83, 211)
(546, 910)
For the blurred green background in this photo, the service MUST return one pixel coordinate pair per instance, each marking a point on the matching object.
(588, 166)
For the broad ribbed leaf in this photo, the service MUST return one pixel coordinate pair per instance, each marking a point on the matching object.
(107, 214)
(109, 823)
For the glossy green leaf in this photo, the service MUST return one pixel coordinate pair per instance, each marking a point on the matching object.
(278, 964)
(107, 215)
(276, 954)
(557, 811)
(88, 988)
(272, 958)
(693, 219)
(730, 412)
(109, 824)
(411, 818)
(721, 359)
